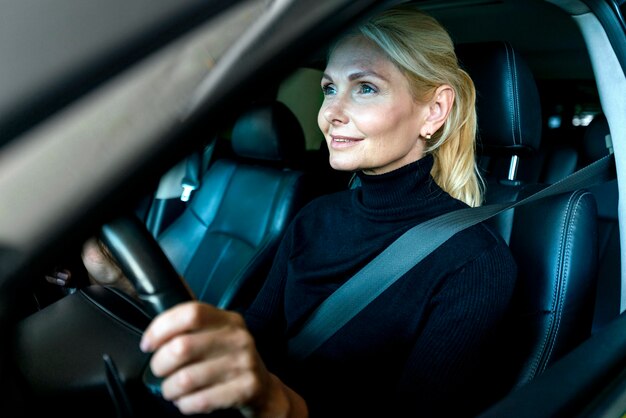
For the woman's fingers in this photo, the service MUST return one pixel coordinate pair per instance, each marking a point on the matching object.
(207, 356)
(59, 277)
(184, 318)
(212, 372)
(235, 392)
(198, 346)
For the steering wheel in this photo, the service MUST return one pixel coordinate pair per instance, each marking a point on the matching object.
(158, 284)
(146, 266)
(83, 349)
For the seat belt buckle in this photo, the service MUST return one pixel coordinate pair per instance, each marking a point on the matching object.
(188, 188)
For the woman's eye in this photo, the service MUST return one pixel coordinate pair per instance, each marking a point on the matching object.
(328, 89)
(366, 89)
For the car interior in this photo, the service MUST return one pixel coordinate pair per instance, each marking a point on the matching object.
(218, 209)
(550, 239)
(241, 208)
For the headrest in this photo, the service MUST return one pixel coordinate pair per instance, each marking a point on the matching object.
(594, 140)
(268, 131)
(507, 100)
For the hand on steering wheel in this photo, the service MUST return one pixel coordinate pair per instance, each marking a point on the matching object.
(215, 339)
(102, 268)
(142, 269)
(143, 263)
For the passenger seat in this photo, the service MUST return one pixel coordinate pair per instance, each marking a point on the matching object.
(224, 242)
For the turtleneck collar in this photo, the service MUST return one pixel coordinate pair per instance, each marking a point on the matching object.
(398, 191)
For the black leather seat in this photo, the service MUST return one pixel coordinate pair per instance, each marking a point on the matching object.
(224, 242)
(564, 159)
(554, 241)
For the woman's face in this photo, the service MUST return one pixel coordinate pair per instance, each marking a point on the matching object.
(369, 118)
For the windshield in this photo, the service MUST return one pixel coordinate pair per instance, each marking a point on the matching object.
(93, 144)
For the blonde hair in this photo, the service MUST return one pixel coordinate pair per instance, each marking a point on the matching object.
(423, 50)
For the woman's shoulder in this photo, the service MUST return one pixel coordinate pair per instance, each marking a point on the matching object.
(480, 237)
(479, 244)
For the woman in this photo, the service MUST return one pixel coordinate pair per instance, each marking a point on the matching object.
(400, 113)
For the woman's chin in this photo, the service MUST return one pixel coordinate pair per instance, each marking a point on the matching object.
(343, 165)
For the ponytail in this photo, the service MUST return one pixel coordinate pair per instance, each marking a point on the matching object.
(454, 149)
(423, 50)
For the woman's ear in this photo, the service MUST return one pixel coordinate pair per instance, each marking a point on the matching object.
(439, 109)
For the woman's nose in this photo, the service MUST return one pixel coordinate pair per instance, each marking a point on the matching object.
(335, 112)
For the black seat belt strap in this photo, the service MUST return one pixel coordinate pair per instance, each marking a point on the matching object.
(409, 249)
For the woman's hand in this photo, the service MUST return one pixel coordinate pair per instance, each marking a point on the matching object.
(60, 277)
(209, 361)
(102, 267)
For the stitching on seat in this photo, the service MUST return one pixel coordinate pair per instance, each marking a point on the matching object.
(516, 97)
(566, 267)
(509, 80)
(540, 359)
(560, 288)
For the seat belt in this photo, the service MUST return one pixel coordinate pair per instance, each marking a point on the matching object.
(185, 177)
(191, 180)
(409, 249)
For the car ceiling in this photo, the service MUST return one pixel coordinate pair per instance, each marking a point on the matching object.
(545, 35)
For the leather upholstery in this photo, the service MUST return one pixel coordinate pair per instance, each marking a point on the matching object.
(507, 100)
(223, 243)
(554, 241)
(270, 132)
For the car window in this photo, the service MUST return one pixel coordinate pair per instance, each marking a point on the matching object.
(54, 52)
(305, 82)
(95, 141)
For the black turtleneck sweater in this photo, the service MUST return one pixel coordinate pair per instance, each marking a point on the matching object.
(426, 346)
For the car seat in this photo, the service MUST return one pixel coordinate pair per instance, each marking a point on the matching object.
(223, 243)
(563, 159)
(554, 240)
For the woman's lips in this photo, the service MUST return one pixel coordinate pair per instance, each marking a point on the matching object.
(339, 141)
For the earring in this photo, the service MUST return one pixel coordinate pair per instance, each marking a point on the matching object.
(428, 136)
